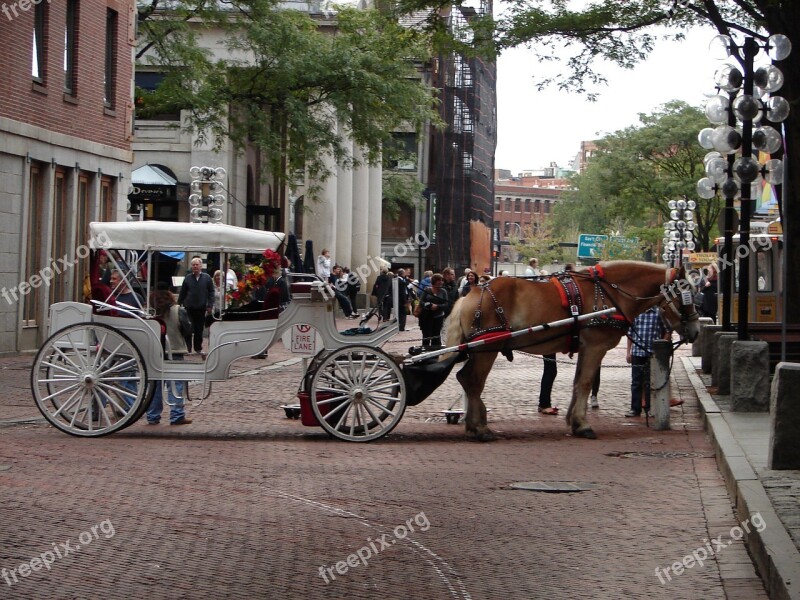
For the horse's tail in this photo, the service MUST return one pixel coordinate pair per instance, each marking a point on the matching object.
(455, 334)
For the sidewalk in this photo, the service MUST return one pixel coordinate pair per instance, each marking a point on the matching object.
(741, 441)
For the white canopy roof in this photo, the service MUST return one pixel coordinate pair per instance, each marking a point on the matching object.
(151, 175)
(188, 237)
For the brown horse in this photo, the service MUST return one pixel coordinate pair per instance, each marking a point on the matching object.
(509, 303)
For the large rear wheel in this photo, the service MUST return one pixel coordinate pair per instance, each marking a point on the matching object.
(90, 380)
(358, 393)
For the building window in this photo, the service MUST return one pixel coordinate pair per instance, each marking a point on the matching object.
(527, 205)
(81, 267)
(546, 207)
(39, 60)
(33, 250)
(111, 58)
(402, 155)
(400, 227)
(58, 285)
(537, 206)
(71, 47)
(107, 199)
(517, 205)
(508, 204)
(147, 82)
(498, 204)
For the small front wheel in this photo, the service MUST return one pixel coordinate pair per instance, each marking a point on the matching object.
(90, 380)
(358, 393)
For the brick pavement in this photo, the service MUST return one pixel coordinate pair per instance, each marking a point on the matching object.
(198, 513)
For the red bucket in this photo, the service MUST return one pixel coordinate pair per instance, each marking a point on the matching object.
(307, 416)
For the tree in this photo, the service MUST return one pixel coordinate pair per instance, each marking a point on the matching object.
(625, 32)
(294, 91)
(637, 171)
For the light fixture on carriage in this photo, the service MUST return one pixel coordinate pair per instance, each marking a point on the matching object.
(206, 201)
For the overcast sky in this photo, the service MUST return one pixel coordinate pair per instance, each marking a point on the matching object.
(536, 128)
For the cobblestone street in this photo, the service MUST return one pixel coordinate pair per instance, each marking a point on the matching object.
(246, 503)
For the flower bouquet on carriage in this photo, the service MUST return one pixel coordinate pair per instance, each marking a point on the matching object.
(254, 292)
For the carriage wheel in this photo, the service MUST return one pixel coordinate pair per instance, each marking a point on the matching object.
(358, 393)
(89, 380)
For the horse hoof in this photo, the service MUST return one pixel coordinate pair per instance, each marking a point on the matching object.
(589, 434)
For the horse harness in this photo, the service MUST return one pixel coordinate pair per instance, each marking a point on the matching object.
(571, 301)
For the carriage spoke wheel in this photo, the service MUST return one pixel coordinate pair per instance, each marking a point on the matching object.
(90, 380)
(358, 393)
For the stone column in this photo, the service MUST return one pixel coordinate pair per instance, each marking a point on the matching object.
(697, 345)
(709, 347)
(319, 221)
(749, 376)
(342, 254)
(375, 218)
(784, 451)
(722, 362)
(360, 226)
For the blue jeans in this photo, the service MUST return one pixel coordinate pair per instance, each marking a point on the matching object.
(640, 382)
(176, 411)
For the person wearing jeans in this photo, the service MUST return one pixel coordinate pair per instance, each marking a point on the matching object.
(647, 328)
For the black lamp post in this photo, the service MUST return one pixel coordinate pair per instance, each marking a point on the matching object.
(741, 177)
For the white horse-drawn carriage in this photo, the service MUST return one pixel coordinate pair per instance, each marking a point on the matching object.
(97, 372)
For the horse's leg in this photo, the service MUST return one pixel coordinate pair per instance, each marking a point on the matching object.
(472, 378)
(588, 362)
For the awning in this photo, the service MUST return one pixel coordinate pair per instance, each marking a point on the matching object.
(154, 182)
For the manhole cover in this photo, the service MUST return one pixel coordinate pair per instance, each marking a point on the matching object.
(554, 487)
(664, 454)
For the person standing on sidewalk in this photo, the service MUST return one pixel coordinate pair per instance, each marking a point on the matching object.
(434, 301)
(197, 297)
(647, 328)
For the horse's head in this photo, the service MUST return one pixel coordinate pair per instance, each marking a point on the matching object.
(678, 304)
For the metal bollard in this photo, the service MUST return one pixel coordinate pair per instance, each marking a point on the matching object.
(659, 384)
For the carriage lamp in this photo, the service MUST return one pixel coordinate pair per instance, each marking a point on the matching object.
(206, 198)
(742, 123)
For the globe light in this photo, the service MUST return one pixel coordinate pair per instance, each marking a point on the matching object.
(728, 78)
(196, 214)
(706, 188)
(673, 214)
(730, 189)
(690, 245)
(195, 200)
(681, 245)
(767, 139)
(691, 205)
(194, 172)
(665, 257)
(773, 171)
(778, 47)
(747, 108)
(220, 173)
(717, 169)
(206, 172)
(704, 138)
(688, 215)
(778, 109)
(681, 204)
(717, 109)
(711, 155)
(726, 139)
(672, 205)
(218, 200)
(746, 169)
(720, 46)
(214, 215)
(680, 225)
(672, 246)
(691, 226)
(768, 79)
(670, 225)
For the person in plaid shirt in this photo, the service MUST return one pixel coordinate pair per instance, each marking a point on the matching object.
(647, 327)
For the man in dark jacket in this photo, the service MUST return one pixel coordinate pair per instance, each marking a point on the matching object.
(197, 297)
(402, 299)
(450, 287)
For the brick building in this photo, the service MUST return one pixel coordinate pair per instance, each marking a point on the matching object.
(65, 154)
(524, 203)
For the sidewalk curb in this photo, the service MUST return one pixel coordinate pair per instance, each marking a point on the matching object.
(773, 551)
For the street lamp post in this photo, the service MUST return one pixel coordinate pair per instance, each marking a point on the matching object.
(741, 177)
